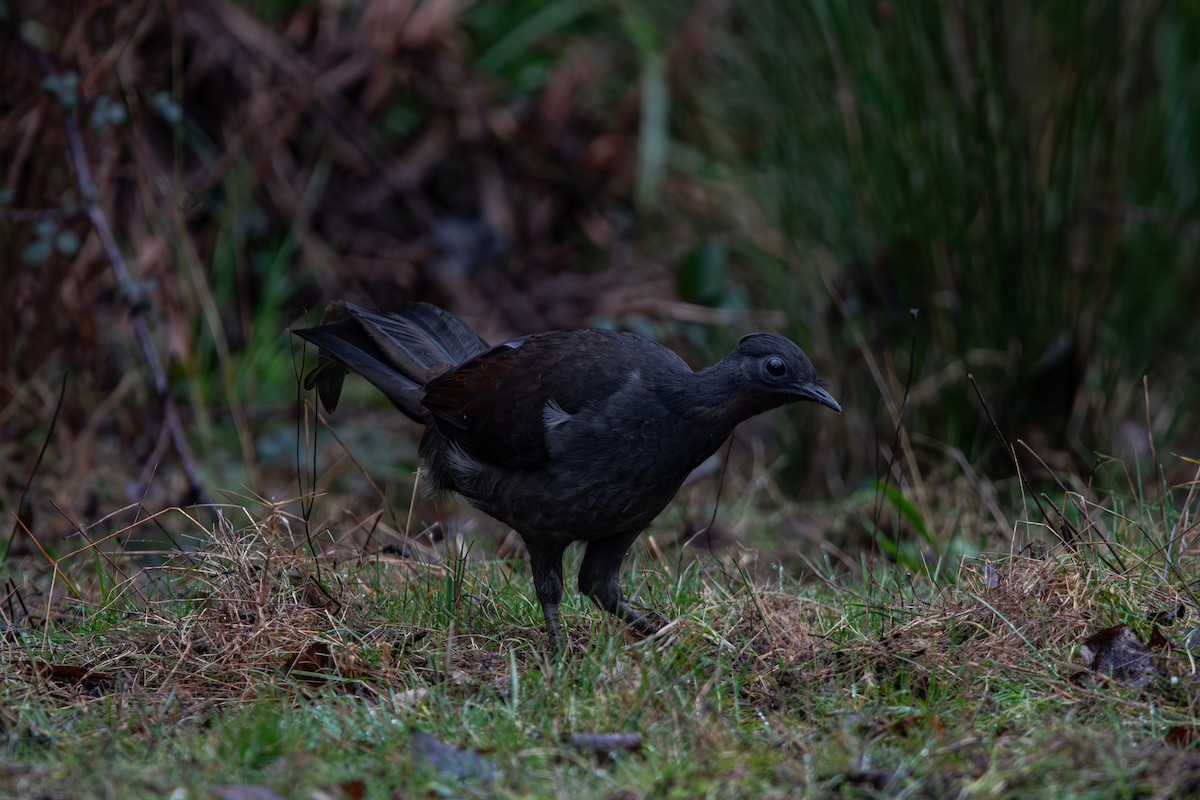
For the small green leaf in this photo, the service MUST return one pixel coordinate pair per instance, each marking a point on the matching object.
(701, 275)
(908, 510)
(36, 34)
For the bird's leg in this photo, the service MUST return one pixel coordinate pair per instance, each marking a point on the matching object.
(548, 583)
(599, 579)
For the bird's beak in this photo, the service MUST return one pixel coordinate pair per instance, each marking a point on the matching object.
(810, 391)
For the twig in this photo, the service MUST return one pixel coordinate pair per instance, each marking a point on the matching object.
(885, 477)
(87, 193)
(20, 513)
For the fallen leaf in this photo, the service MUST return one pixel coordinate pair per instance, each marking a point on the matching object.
(1118, 653)
(71, 674)
(606, 745)
(311, 663)
(1158, 640)
(1182, 736)
(1168, 617)
(448, 760)
(346, 790)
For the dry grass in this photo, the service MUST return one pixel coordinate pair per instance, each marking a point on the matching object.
(984, 676)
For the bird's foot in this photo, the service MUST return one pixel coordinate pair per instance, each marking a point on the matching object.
(647, 624)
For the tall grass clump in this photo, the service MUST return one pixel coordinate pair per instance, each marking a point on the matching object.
(1023, 174)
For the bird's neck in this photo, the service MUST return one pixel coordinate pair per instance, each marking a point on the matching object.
(717, 397)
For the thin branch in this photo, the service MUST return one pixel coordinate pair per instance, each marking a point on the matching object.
(21, 508)
(87, 192)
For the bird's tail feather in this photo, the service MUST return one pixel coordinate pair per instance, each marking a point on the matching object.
(420, 340)
(399, 352)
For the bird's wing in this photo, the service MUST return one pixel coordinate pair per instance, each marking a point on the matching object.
(499, 404)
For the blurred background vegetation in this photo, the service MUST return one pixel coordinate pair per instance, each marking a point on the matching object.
(916, 192)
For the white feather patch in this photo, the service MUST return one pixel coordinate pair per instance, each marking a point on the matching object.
(553, 415)
(464, 466)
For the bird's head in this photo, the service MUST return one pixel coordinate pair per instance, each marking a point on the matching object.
(777, 368)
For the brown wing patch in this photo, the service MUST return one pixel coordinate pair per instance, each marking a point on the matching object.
(493, 405)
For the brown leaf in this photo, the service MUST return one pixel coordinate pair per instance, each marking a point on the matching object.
(346, 790)
(311, 663)
(1158, 640)
(1118, 653)
(1168, 616)
(936, 728)
(605, 745)
(874, 727)
(1182, 736)
(71, 674)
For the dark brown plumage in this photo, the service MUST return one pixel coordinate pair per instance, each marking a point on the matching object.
(580, 435)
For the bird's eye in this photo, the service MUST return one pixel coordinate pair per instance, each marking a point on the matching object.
(775, 367)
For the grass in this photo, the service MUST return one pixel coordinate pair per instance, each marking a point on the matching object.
(1015, 173)
(886, 158)
(250, 662)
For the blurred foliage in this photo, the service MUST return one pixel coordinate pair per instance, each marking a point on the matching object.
(254, 161)
(1024, 174)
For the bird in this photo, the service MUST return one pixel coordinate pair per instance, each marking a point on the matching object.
(566, 436)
